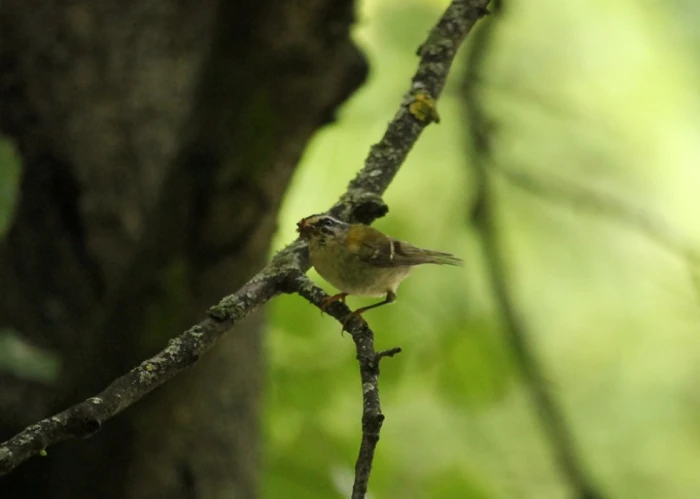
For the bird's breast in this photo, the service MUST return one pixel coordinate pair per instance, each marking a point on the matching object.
(345, 271)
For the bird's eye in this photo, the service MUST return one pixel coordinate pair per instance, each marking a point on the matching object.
(326, 222)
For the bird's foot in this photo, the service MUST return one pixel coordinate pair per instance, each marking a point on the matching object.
(331, 299)
(348, 318)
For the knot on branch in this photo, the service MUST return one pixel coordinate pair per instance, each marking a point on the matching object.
(218, 312)
(85, 420)
(482, 12)
(372, 421)
(360, 206)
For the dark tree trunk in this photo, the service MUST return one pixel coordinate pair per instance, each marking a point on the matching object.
(157, 139)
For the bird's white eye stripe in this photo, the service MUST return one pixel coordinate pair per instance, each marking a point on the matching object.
(328, 222)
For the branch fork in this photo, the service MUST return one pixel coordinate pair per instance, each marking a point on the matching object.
(361, 202)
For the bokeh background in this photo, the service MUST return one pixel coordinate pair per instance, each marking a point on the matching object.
(596, 101)
(600, 95)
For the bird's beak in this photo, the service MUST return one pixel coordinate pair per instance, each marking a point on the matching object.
(305, 229)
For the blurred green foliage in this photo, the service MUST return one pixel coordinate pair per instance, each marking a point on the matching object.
(21, 359)
(602, 94)
(9, 183)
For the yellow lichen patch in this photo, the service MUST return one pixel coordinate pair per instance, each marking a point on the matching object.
(423, 108)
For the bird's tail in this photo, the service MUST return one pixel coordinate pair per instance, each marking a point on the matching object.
(407, 254)
(440, 258)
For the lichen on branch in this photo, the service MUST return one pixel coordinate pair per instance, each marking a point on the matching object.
(285, 274)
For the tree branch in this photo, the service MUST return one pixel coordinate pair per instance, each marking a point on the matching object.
(372, 417)
(360, 202)
(551, 415)
(85, 418)
(285, 274)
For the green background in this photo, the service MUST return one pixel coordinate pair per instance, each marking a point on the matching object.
(602, 95)
(599, 94)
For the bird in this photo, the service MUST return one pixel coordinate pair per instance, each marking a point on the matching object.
(360, 260)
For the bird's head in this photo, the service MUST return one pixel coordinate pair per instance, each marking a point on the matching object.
(322, 226)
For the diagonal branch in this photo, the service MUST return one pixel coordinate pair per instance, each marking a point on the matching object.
(284, 274)
(85, 418)
(437, 54)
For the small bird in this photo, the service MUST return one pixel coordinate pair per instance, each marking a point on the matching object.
(360, 260)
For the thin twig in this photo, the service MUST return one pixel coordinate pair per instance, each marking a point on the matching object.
(550, 413)
(284, 274)
(387, 353)
(372, 417)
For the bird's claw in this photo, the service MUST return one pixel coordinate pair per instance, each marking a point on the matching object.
(348, 318)
(328, 300)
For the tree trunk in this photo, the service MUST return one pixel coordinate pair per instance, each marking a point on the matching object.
(157, 139)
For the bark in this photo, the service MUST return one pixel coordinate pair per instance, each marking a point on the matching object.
(157, 139)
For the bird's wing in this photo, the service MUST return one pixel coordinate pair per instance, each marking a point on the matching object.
(405, 254)
(380, 250)
(379, 253)
(370, 246)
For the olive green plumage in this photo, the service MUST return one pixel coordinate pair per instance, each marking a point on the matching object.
(360, 260)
